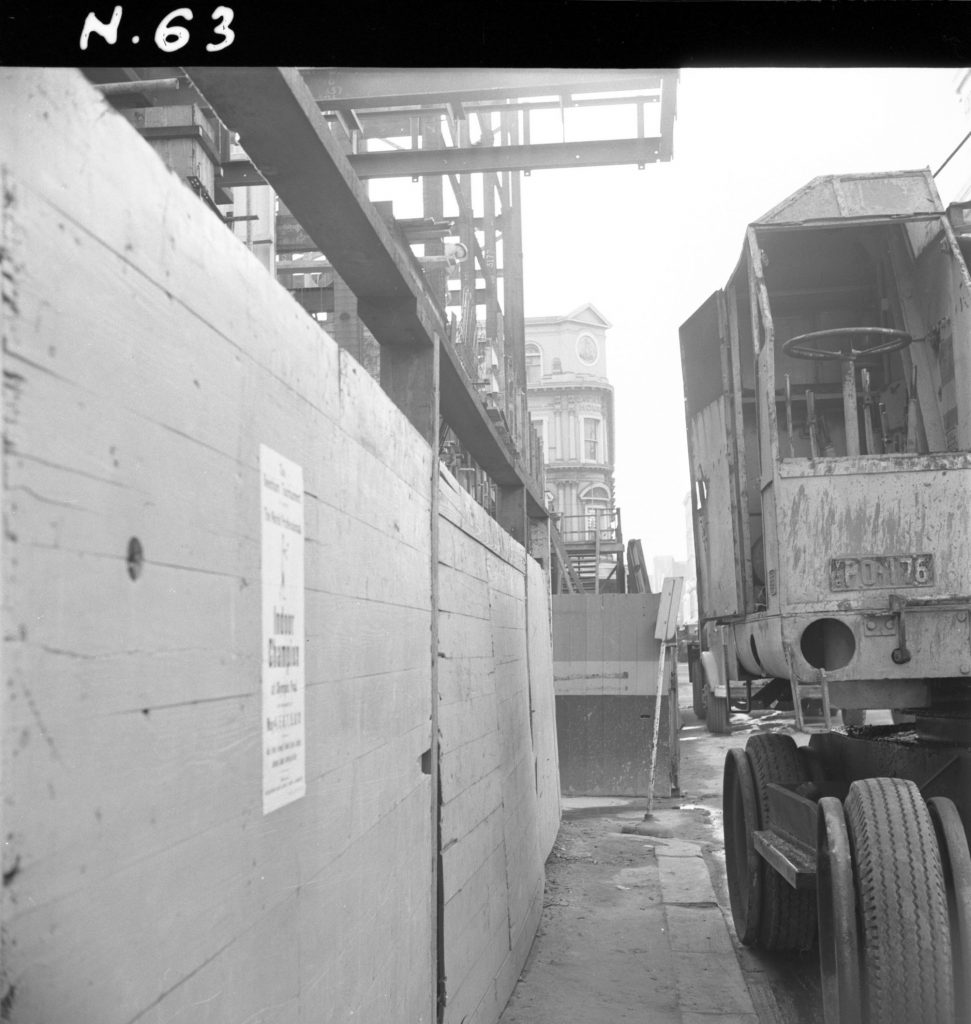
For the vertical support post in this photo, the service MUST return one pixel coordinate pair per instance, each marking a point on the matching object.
(512, 250)
(674, 724)
(258, 235)
(656, 728)
(409, 377)
(433, 206)
(539, 542)
(850, 423)
(348, 329)
(425, 416)
(466, 226)
(792, 449)
(669, 109)
(511, 512)
(596, 550)
(490, 183)
(666, 632)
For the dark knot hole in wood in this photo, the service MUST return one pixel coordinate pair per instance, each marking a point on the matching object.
(135, 558)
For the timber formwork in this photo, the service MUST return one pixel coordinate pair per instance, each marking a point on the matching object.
(459, 378)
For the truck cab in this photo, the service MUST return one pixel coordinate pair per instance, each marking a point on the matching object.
(827, 398)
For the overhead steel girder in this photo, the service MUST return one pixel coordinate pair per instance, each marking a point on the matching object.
(358, 88)
(281, 129)
(475, 159)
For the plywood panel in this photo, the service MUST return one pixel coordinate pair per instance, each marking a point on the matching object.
(147, 355)
(605, 742)
(543, 709)
(605, 687)
(497, 756)
(605, 644)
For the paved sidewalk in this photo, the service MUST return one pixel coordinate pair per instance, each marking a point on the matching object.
(632, 929)
(637, 927)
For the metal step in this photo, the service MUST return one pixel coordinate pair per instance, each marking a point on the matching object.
(809, 718)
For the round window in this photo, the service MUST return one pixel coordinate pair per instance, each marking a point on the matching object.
(587, 348)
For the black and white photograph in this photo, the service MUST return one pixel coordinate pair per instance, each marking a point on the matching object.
(486, 528)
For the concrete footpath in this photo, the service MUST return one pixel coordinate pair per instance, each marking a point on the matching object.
(637, 927)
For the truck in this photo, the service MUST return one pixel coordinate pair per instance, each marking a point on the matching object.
(827, 397)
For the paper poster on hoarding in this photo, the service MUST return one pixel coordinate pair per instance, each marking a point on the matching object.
(281, 515)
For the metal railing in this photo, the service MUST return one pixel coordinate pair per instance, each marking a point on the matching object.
(597, 524)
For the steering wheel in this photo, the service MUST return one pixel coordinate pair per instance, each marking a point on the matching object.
(843, 339)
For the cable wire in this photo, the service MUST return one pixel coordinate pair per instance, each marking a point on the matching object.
(953, 153)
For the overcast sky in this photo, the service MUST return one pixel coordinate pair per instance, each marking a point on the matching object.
(647, 247)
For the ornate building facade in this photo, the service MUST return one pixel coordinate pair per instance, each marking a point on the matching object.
(571, 404)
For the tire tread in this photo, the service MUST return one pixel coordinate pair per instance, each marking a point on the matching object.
(905, 937)
(788, 920)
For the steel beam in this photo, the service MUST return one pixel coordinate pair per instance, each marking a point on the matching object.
(287, 139)
(239, 173)
(477, 159)
(357, 88)
(391, 124)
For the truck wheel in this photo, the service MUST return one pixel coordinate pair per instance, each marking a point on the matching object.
(742, 863)
(952, 842)
(718, 716)
(699, 697)
(839, 943)
(788, 919)
(905, 938)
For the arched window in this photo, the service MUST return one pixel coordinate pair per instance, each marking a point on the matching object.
(534, 364)
(596, 506)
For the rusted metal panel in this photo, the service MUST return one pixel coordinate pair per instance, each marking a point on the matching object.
(717, 553)
(742, 449)
(873, 515)
(849, 196)
(605, 744)
(943, 293)
(860, 545)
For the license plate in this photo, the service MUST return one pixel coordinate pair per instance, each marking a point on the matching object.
(875, 572)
